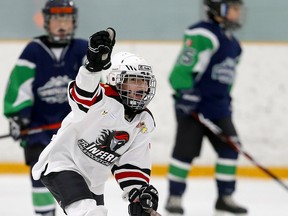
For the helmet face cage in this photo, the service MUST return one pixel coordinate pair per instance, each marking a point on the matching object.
(60, 8)
(220, 8)
(139, 99)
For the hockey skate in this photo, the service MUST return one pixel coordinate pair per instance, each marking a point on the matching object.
(225, 206)
(173, 206)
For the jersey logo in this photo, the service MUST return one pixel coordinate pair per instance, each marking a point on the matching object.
(187, 56)
(112, 140)
(103, 149)
(188, 42)
(142, 126)
(104, 112)
(55, 90)
(225, 71)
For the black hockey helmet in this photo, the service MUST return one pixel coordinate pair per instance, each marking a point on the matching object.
(60, 7)
(219, 8)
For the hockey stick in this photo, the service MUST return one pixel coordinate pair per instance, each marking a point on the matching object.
(36, 129)
(227, 139)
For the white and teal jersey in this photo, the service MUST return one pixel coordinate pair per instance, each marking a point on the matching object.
(207, 64)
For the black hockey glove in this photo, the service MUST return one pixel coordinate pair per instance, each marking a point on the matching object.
(143, 200)
(99, 50)
(187, 101)
(135, 209)
(16, 125)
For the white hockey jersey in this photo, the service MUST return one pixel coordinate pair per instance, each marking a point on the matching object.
(95, 139)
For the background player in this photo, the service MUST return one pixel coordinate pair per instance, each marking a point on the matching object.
(36, 92)
(202, 78)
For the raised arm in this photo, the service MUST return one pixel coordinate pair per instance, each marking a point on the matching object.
(85, 90)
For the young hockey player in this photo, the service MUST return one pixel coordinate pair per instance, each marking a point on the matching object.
(202, 78)
(108, 131)
(36, 93)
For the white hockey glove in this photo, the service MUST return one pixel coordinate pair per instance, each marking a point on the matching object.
(143, 200)
(99, 51)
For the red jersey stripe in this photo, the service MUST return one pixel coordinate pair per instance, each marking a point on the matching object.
(82, 101)
(131, 174)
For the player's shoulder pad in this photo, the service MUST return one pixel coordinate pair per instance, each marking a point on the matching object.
(203, 33)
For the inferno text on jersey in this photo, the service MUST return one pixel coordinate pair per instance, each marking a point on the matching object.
(93, 151)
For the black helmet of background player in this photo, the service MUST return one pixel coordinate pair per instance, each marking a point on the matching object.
(219, 8)
(60, 8)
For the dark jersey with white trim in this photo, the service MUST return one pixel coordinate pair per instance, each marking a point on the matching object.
(38, 83)
(206, 68)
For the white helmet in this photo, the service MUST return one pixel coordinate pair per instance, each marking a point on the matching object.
(127, 66)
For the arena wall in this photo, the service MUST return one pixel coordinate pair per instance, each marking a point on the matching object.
(259, 101)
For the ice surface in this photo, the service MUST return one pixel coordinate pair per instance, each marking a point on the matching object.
(262, 197)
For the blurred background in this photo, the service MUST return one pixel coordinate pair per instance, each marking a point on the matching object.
(144, 20)
(154, 30)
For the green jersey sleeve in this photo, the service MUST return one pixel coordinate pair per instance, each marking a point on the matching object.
(19, 94)
(198, 47)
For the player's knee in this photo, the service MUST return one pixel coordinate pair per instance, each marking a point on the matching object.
(86, 207)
